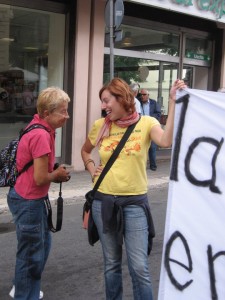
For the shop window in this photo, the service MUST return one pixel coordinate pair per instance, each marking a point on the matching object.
(148, 40)
(156, 76)
(155, 54)
(31, 58)
(199, 49)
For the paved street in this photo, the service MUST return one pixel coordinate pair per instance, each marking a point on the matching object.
(74, 269)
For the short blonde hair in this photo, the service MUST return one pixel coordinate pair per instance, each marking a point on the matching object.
(50, 98)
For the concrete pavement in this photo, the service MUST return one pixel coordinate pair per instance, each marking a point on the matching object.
(80, 182)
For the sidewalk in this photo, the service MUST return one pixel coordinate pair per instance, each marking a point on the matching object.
(80, 183)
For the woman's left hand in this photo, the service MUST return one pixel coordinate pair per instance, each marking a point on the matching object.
(177, 85)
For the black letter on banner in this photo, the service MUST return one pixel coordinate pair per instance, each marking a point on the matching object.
(191, 178)
(211, 260)
(176, 150)
(169, 245)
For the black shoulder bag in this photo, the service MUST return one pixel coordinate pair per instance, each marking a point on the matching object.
(93, 236)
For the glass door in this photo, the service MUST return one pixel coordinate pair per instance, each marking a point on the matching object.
(197, 59)
(155, 76)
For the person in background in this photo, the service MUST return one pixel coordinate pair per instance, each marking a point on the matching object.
(26, 200)
(120, 208)
(4, 96)
(150, 107)
(135, 89)
(29, 97)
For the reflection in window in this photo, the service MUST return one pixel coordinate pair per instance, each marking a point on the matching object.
(198, 48)
(188, 75)
(31, 58)
(25, 53)
(148, 40)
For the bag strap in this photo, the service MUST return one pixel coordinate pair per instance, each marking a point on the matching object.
(59, 212)
(114, 155)
(31, 127)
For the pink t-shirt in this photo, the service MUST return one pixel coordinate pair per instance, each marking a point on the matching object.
(34, 144)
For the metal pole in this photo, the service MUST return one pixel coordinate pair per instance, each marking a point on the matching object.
(111, 39)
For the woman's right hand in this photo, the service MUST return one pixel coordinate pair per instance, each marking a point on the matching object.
(97, 172)
(42, 176)
(61, 174)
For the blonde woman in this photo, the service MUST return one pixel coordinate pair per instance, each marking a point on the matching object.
(26, 198)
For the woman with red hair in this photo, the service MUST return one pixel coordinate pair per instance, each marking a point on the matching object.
(120, 208)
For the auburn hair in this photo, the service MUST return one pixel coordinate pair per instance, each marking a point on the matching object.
(122, 92)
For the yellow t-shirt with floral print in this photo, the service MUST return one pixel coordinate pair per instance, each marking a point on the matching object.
(127, 176)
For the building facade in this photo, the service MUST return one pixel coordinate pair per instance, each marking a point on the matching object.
(65, 44)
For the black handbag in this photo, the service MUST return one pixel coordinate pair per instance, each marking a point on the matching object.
(93, 236)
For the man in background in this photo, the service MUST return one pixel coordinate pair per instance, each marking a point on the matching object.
(135, 89)
(150, 107)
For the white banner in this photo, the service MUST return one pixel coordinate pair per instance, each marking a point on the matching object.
(193, 262)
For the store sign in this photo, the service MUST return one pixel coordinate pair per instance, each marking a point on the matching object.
(198, 56)
(193, 260)
(209, 9)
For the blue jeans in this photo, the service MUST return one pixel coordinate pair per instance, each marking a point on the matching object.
(152, 155)
(34, 243)
(136, 243)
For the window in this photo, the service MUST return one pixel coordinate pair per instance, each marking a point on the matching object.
(148, 40)
(31, 58)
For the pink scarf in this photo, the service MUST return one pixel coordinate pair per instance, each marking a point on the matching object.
(125, 122)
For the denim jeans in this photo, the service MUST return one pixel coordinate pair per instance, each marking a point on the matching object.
(152, 155)
(34, 243)
(136, 243)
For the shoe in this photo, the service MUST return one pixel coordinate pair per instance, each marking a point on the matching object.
(153, 168)
(12, 293)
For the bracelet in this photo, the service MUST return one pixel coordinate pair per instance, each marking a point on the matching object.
(87, 162)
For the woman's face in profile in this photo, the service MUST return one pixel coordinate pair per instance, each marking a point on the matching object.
(112, 107)
(58, 117)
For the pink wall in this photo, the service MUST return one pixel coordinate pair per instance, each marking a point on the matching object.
(89, 55)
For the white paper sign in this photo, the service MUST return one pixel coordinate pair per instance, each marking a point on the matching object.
(193, 262)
